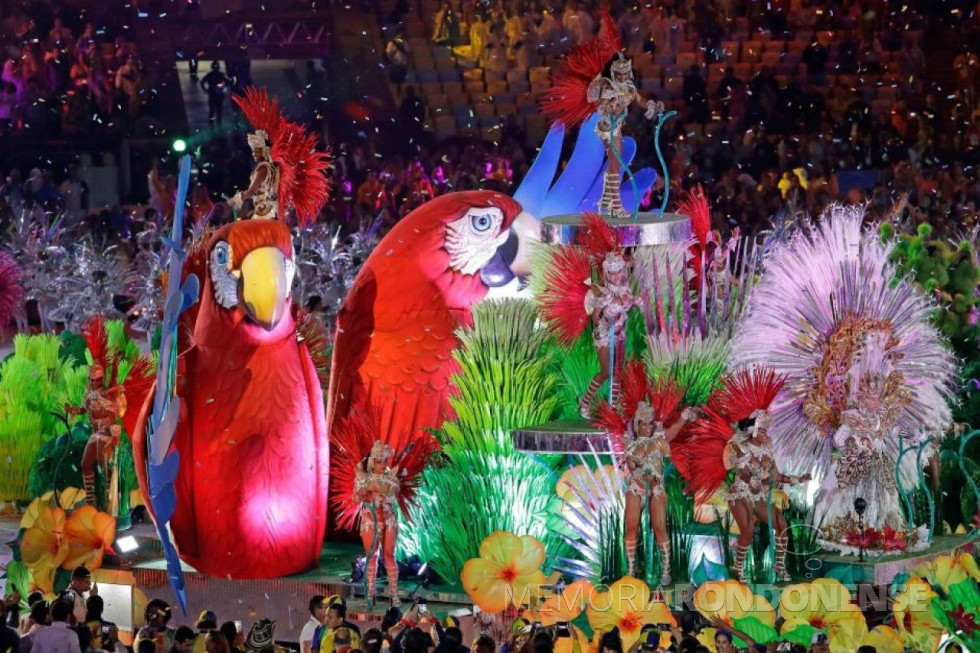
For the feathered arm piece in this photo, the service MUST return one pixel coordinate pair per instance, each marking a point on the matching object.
(562, 303)
(567, 100)
(699, 453)
(746, 391)
(303, 181)
(597, 237)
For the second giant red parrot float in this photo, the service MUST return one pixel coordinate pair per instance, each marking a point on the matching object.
(396, 329)
(248, 498)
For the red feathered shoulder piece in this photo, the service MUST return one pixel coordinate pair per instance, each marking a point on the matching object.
(566, 101)
(303, 181)
(351, 445)
(136, 387)
(562, 302)
(746, 391)
(699, 453)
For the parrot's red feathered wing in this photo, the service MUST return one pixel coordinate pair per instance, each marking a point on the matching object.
(352, 441)
(566, 101)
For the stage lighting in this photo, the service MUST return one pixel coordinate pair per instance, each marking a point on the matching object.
(180, 145)
(127, 544)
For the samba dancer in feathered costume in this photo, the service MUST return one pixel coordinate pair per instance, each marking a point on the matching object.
(712, 446)
(370, 482)
(864, 367)
(597, 76)
(605, 295)
(640, 433)
(289, 170)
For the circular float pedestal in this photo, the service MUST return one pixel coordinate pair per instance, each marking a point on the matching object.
(648, 229)
(562, 436)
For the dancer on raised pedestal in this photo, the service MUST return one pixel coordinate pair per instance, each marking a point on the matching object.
(597, 76)
(604, 296)
(640, 433)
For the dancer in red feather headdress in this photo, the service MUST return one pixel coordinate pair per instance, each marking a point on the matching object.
(638, 431)
(712, 446)
(290, 171)
(596, 75)
(370, 478)
(606, 301)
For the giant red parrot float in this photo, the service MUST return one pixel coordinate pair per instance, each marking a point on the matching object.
(396, 329)
(244, 415)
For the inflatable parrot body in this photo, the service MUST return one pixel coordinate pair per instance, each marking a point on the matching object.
(396, 329)
(251, 490)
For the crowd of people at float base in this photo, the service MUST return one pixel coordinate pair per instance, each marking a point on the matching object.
(74, 623)
(69, 73)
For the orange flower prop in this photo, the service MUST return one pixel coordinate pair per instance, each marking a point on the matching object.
(627, 606)
(824, 604)
(43, 547)
(508, 572)
(917, 625)
(566, 606)
(88, 534)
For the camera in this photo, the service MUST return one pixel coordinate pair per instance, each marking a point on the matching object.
(422, 605)
(563, 630)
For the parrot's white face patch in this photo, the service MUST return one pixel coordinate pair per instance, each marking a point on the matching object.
(473, 239)
(224, 280)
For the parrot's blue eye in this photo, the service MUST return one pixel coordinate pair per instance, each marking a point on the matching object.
(481, 222)
(221, 254)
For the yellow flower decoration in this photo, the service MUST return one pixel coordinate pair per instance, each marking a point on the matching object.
(88, 534)
(68, 499)
(730, 599)
(918, 627)
(627, 606)
(508, 571)
(884, 640)
(43, 548)
(566, 606)
(826, 605)
(947, 570)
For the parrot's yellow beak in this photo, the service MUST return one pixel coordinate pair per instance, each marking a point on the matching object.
(264, 286)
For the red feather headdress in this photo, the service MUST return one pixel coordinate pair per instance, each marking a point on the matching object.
(303, 181)
(746, 391)
(351, 444)
(97, 340)
(663, 395)
(597, 237)
(695, 206)
(699, 452)
(566, 101)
